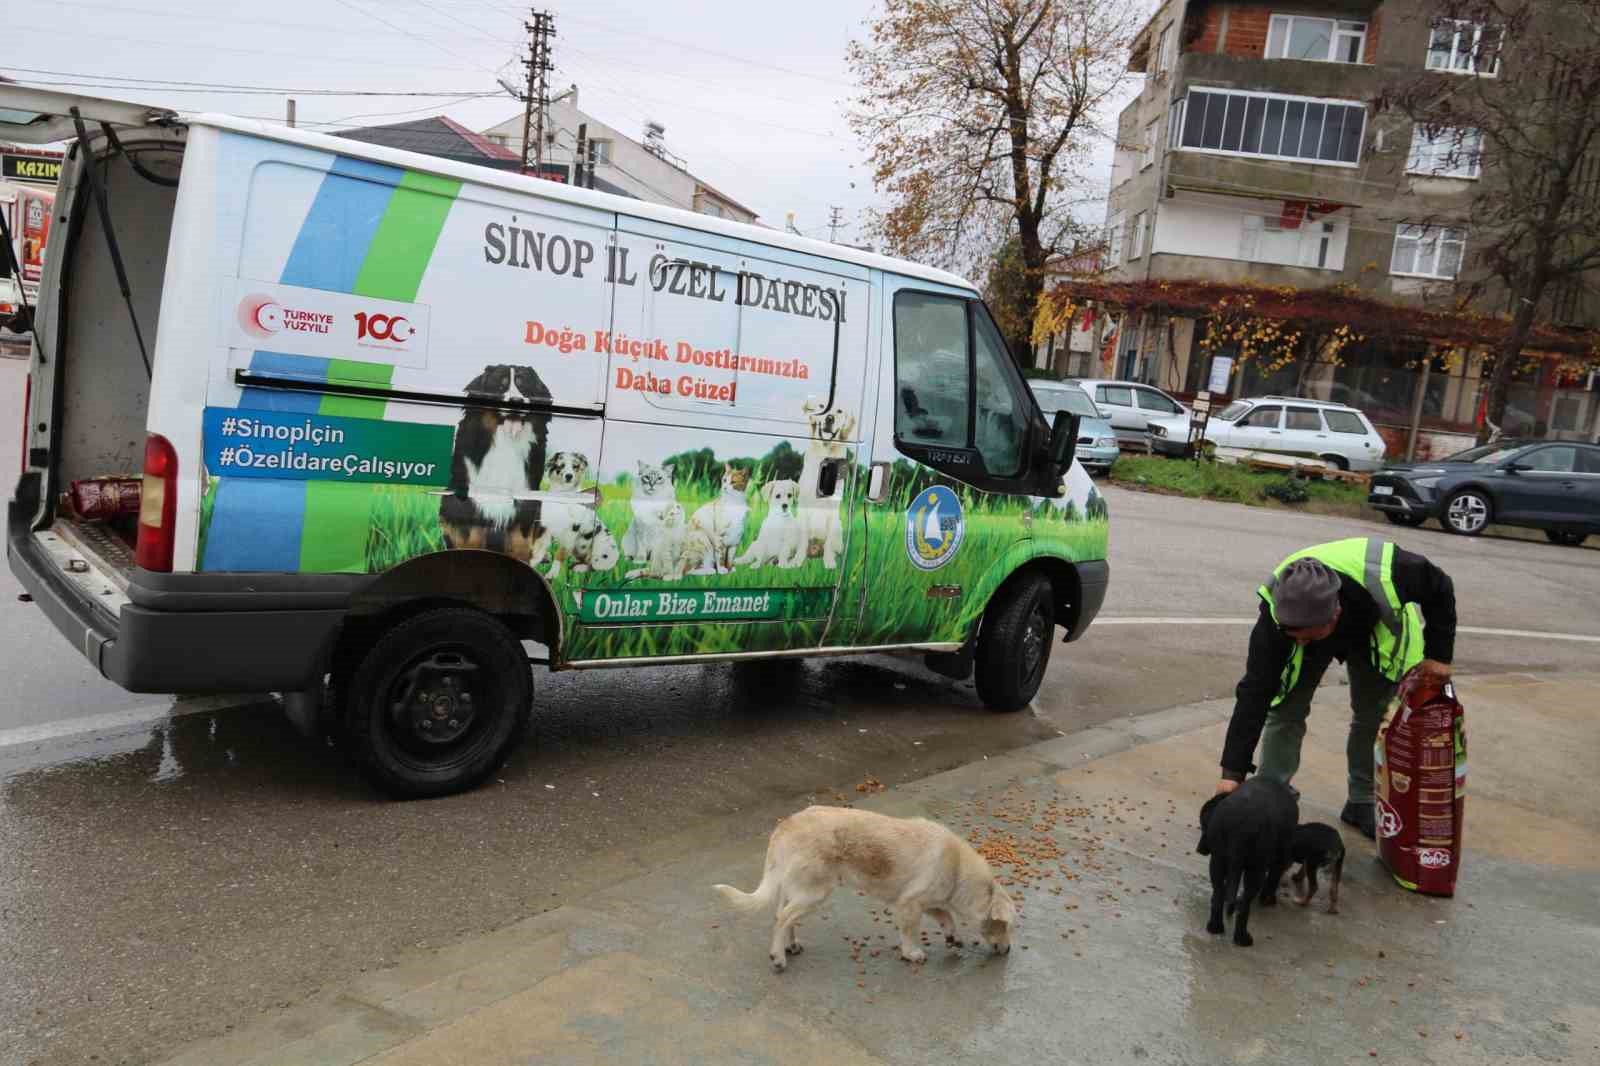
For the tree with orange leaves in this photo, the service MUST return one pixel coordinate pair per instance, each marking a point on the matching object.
(981, 117)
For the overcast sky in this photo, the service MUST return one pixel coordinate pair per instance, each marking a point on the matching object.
(752, 94)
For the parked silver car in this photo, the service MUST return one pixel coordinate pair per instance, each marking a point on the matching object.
(1134, 408)
(1314, 429)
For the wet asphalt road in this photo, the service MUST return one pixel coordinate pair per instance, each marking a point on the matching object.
(161, 883)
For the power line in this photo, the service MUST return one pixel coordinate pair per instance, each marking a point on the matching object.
(229, 20)
(234, 85)
(219, 91)
(169, 45)
(427, 41)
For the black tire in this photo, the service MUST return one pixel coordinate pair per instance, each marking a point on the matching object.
(1404, 518)
(1014, 643)
(1339, 461)
(1466, 513)
(1566, 538)
(437, 702)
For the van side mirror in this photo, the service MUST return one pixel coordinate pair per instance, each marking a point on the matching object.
(1064, 439)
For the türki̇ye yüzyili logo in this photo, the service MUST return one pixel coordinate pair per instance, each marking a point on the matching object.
(264, 316)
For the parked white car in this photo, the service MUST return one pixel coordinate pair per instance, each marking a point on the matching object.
(1134, 408)
(1315, 429)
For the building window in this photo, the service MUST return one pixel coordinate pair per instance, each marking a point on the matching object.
(600, 151)
(1427, 251)
(499, 138)
(1461, 47)
(1322, 40)
(1147, 155)
(1164, 50)
(708, 207)
(1114, 240)
(1446, 152)
(1274, 126)
(1175, 126)
(1136, 246)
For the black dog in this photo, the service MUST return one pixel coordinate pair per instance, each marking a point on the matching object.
(1314, 845)
(1247, 833)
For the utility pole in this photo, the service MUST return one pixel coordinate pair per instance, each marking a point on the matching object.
(289, 112)
(580, 158)
(835, 220)
(536, 100)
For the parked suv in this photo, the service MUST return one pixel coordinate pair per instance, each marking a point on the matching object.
(1315, 429)
(1142, 413)
(1548, 485)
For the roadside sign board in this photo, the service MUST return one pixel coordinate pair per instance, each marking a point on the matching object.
(43, 170)
(1221, 371)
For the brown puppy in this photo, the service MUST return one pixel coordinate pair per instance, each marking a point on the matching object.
(917, 865)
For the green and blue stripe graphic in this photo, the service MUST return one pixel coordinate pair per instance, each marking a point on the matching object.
(371, 231)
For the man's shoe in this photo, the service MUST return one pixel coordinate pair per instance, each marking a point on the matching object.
(1360, 815)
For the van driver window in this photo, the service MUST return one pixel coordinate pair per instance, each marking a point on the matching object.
(931, 381)
(1000, 412)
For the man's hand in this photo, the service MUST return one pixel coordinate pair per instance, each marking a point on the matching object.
(1226, 786)
(1434, 670)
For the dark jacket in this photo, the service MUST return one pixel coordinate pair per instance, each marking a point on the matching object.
(1415, 581)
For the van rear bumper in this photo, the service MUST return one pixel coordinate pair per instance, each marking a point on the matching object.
(184, 651)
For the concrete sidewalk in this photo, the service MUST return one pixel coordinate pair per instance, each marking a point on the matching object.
(1112, 962)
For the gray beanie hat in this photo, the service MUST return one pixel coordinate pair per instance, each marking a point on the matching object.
(1306, 595)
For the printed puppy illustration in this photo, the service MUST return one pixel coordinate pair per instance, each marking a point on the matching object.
(831, 428)
(666, 558)
(566, 471)
(653, 490)
(573, 526)
(499, 455)
(603, 552)
(782, 540)
(722, 522)
(571, 530)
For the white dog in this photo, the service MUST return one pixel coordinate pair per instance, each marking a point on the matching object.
(830, 429)
(722, 521)
(782, 540)
(917, 865)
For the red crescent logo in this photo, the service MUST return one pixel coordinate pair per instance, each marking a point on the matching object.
(260, 316)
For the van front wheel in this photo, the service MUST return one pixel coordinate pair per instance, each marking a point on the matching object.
(1014, 643)
(437, 702)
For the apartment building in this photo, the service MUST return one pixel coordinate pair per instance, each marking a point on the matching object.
(1252, 156)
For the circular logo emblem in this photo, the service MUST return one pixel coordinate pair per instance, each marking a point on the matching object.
(934, 527)
(260, 316)
(1389, 823)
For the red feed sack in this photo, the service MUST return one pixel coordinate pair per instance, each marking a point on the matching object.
(1421, 764)
(103, 498)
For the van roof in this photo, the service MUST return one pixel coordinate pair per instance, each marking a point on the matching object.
(551, 190)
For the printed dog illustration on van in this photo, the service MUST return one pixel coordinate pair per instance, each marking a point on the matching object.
(498, 461)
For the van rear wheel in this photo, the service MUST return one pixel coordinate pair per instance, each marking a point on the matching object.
(437, 702)
(1014, 643)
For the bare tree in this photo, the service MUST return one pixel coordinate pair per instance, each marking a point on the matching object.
(981, 117)
(1517, 81)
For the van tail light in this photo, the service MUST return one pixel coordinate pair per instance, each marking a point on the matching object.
(158, 505)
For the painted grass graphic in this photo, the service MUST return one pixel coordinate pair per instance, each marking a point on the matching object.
(881, 598)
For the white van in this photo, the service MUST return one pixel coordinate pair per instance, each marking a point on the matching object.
(396, 415)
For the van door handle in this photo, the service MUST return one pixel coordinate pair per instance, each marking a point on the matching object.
(878, 483)
(828, 477)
